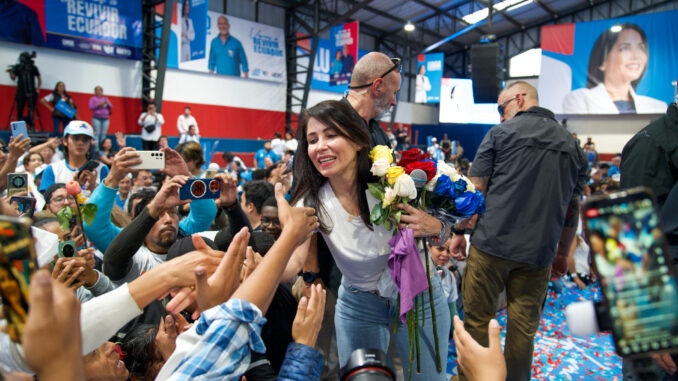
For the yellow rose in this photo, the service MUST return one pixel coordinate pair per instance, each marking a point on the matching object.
(392, 174)
(381, 152)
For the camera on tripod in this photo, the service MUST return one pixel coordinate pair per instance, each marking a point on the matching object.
(26, 73)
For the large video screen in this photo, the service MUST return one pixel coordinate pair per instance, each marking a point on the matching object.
(457, 104)
(614, 66)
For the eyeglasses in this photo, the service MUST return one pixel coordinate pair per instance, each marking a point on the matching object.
(61, 199)
(396, 65)
(502, 106)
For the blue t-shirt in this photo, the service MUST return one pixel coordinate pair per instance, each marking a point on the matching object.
(19, 23)
(61, 172)
(262, 154)
(226, 58)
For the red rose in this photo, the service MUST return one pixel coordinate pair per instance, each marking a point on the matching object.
(411, 156)
(427, 166)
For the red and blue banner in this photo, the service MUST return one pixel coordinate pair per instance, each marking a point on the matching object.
(613, 66)
(104, 27)
(343, 53)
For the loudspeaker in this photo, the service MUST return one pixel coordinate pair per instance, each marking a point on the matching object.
(486, 72)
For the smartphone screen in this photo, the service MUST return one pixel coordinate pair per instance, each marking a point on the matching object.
(629, 253)
(17, 264)
(19, 128)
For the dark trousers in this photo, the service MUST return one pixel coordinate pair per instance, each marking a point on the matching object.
(60, 120)
(150, 145)
(28, 102)
(526, 288)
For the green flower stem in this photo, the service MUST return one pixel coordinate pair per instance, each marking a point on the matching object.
(410, 328)
(395, 328)
(433, 309)
(78, 216)
(423, 311)
(416, 332)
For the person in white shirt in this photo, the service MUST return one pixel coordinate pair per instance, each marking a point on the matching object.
(191, 136)
(291, 142)
(185, 120)
(422, 85)
(277, 144)
(151, 123)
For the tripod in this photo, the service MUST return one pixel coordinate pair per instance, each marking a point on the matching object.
(26, 93)
(31, 106)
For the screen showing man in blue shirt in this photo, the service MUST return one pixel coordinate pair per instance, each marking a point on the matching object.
(226, 52)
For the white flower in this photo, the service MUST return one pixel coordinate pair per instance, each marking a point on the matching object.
(431, 185)
(404, 187)
(389, 196)
(379, 167)
(444, 169)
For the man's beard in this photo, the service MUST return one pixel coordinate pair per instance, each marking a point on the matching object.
(382, 106)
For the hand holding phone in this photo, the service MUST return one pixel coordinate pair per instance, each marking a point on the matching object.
(24, 205)
(19, 128)
(17, 183)
(198, 189)
(150, 160)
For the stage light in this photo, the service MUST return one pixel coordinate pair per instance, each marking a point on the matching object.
(616, 28)
(409, 27)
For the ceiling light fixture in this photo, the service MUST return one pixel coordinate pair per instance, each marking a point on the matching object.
(409, 27)
(616, 28)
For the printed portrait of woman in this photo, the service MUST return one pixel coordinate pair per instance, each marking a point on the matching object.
(618, 61)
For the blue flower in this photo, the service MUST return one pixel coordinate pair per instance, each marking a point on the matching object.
(443, 185)
(459, 188)
(481, 207)
(467, 204)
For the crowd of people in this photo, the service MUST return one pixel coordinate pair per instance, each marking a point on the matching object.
(283, 276)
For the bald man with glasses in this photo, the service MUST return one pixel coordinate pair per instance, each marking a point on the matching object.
(530, 169)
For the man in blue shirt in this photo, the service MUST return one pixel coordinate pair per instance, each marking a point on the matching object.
(263, 154)
(226, 52)
(19, 23)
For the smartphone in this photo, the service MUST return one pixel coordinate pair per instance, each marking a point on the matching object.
(67, 249)
(19, 128)
(198, 189)
(25, 205)
(17, 264)
(90, 166)
(17, 183)
(150, 160)
(638, 284)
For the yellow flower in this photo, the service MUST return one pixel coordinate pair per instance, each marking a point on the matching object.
(392, 174)
(381, 152)
(81, 199)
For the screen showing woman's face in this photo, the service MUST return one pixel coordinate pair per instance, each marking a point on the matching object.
(627, 59)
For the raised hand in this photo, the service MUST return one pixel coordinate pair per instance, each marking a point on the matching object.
(174, 163)
(310, 312)
(168, 196)
(423, 224)
(299, 222)
(229, 189)
(121, 165)
(67, 271)
(478, 362)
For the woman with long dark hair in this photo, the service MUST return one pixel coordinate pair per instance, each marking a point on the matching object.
(617, 63)
(333, 168)
(187, 31)
(58, 118)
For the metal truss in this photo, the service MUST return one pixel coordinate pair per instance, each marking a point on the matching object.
(156, 32)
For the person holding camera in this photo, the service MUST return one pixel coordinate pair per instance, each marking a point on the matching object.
(151, 123)
(26, 74)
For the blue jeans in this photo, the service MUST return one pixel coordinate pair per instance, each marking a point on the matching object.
(100, 128)
(59, 121)
(362, 321)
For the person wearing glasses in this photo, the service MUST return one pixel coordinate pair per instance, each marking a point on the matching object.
(530, 169)
(374, 87)
(56, 198)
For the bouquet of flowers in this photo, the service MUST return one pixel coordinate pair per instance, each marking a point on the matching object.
(446, 194)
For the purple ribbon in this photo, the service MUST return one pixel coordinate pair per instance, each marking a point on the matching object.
(406, 269)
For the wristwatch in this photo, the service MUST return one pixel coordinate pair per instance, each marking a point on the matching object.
(442, 236)
(309, 276)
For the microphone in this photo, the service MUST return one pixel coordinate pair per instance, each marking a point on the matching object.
(420, 179)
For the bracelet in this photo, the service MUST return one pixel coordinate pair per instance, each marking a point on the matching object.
(442, 236)
(459, 231)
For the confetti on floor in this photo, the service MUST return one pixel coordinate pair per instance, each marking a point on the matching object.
(557, 354)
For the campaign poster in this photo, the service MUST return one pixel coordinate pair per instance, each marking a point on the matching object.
(615, 66)
(104, 27)
(457, 104)
(236, 47)
(321, 67)
(193, 25)
(343, 53)
(429, 76)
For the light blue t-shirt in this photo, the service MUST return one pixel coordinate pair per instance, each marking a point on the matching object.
(262, 154)
(226, 58)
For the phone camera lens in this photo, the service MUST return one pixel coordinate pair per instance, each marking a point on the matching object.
(68, 251)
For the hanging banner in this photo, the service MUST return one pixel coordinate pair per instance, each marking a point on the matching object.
(321, 67)
(614, 66)
(193, 26)
(343, 53)
(429, 76)
(234, 47)
(104, 27)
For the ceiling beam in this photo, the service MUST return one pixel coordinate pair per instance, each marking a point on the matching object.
(346, 15)
(547, 8)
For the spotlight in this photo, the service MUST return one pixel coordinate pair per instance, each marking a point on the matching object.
(409, 27)
(616, 28)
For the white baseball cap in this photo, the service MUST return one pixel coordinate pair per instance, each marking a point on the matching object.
(79, 127)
